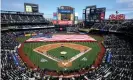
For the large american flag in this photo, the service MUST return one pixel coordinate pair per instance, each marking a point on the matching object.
(64, 37)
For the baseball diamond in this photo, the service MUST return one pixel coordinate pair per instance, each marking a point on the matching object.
(62, 55)
(66, 63)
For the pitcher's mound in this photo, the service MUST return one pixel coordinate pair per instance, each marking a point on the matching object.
(63, 52)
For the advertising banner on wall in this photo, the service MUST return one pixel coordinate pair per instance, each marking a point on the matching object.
(65, 11)
(65, 22)
(72, 17)
(54, 21)
(102, 16)
(59, 16)
(27, 34)
(33, 34)
(70, 22)
(54, 14)
(117, 17)
(120, 17)
(112, 17)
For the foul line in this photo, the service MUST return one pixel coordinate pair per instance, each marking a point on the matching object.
(79, 55)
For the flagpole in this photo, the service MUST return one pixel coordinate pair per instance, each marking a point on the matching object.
(117, 16)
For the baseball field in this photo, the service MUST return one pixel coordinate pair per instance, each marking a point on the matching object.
(62, 55)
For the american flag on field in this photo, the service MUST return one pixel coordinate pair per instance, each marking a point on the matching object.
(64, 37)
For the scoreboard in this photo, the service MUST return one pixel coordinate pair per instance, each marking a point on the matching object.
(66, 8)
(100, 14)
(90, 13)
(93, 14)
(65, 15)
(29, 7)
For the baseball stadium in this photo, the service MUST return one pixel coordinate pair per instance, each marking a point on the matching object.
(65, 48)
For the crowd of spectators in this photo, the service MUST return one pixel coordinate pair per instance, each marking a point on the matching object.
(121, 59)
(128, 28)
(119, 66)
(19, 17)
(72, 29)
(23, 20)
(29, 26)
(13, 68)
(111, 26)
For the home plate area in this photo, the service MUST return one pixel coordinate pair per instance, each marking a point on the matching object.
(64, 64)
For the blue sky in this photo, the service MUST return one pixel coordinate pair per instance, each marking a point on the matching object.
(49, 6)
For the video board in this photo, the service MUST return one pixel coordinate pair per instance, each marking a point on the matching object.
(29, 7)
(90, 9)
(90, 13)
(54, 16)
(100, 12)
(65, 16)
(65, 10)
(94, 14)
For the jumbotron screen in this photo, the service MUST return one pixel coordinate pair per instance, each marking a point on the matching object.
(28, 8)
(65, 16)
(31, 7)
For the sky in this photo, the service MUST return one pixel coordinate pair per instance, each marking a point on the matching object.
(49, 6)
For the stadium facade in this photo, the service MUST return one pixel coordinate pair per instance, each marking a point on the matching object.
(34, 48)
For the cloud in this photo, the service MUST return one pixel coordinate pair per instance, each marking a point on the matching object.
(124, 4)
(123, 7)
(124, 1)
(129, 15)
